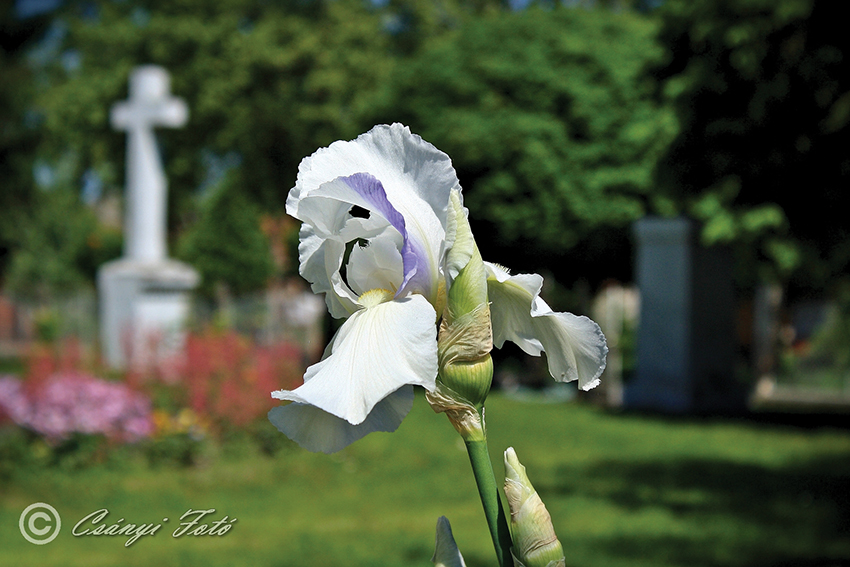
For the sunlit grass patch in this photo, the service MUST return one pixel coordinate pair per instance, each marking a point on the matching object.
(622, 490)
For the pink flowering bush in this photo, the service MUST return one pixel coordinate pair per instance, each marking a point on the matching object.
(224, 378)
(215, 390)
(73, 402)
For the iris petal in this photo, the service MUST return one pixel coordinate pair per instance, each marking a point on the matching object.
(575, 346)
(366, 191)
(320, 261)
(375, 352)
(446, 553)
(319, 431)
(416, 178)
(377, 265)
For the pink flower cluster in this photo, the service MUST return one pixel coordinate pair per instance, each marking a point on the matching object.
(73, 402)
(224, 377)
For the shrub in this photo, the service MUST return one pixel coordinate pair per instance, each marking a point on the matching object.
(225, 378)
(69, 403)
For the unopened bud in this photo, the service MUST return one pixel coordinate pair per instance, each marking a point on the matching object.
(534, 541)
(466, 336)
(465, 271)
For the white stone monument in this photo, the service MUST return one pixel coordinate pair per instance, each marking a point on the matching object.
(144, 296)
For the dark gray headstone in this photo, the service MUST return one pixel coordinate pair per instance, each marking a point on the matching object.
(686, 344)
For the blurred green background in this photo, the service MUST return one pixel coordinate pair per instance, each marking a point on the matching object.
(622, 490)
(566, 122)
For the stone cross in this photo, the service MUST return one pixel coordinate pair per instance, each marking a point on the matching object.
(149, 105)
(145, 296)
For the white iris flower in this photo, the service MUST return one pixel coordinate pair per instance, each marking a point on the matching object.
(384, 199)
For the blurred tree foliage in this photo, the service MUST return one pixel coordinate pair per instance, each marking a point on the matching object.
(763, 95)
(269, 81)
(226, 245)
(556, 117)
(18, 139)
(58, 244)
(552, 136)
(411, 24)
(549, 117)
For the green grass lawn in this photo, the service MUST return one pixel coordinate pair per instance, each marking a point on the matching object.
(623, 490)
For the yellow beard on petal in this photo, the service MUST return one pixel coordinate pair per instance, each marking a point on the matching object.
(375, 297)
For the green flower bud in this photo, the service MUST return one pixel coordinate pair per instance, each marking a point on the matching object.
(534, 541)
(469, 379)
(465, 272)
(466, 336)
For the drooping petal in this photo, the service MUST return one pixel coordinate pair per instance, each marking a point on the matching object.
(319, 431)
(375, 352)
(575, 346)
(416, 177)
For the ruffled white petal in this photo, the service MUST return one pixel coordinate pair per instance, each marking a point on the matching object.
(575, 346)
(375, 352)
(416, 177)
(406, 164)
(319, 431)
(330, 217)
(328, 227)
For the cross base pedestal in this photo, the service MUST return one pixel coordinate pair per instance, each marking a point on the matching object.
(144, 308)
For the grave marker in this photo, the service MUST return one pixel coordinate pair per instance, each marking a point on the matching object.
(686, 343)
(144, 296)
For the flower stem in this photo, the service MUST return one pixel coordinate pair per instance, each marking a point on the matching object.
(482, 469)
